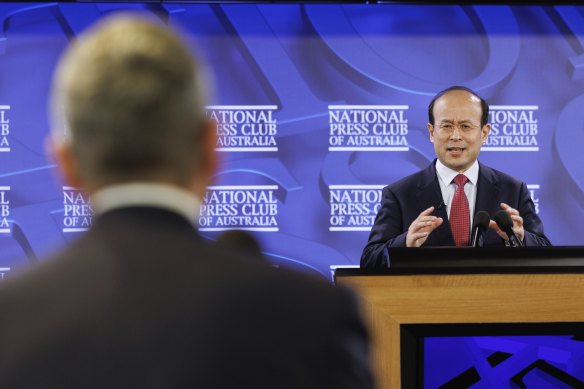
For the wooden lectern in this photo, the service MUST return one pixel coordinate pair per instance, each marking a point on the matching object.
(520, 285)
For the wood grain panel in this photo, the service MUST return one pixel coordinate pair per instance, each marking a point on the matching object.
(486, 298)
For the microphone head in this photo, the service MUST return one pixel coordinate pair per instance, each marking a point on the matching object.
(503, 220)
(481, 220)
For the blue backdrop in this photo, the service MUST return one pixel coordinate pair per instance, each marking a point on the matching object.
(319, 107)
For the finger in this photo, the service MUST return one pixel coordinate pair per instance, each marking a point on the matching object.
(426, 223)
(429, 228)
(436, 223)
(420, 241)
(419, 231)
(426, 212)
(502, 234)
(426, 219)
(518, 220)
(416, 239)
(416, 229)
(509, 210)
(496, 228)
(499, 232)
(419, 235)
(431, 222)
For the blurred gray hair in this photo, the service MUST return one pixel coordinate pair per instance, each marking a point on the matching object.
(129, 94)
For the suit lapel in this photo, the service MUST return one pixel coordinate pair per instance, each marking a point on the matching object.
(488, 199)
(429, 194)
(488, 191)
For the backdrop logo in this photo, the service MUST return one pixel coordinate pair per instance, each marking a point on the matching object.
(77, 209)
(513, 128)
(244, 127)
(353, 207)
(368, 128)
(4, 210)
(4, 128)
(533, 189)
(4, 272)
(240, 207)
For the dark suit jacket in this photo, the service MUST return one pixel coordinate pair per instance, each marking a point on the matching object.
(141, 301)
(403, 201)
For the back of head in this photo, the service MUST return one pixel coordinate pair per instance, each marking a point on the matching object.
(128, 95)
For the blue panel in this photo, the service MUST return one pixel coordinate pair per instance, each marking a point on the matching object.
(503, 361)
(302, 64)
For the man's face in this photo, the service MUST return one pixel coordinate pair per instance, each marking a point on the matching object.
(457, 133)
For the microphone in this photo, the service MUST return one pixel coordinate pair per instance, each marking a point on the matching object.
(442, 205)
(505, 223)
(479, 226)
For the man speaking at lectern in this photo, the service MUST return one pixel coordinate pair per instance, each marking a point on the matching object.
(435, 206)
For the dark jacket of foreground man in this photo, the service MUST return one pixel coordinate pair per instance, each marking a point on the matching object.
(141, 301)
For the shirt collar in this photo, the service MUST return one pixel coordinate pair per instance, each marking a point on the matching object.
(148, 194)
(446, 174)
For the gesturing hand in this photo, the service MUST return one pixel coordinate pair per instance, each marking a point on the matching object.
(421, 228)
(517, 223)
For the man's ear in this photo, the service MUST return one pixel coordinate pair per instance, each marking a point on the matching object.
(63, 155)
(209, 160)
(431, 131)
(485, 132)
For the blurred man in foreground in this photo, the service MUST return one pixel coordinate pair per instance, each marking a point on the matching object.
(141, 301)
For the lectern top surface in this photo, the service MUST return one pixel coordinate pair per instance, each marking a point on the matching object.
(486, 260)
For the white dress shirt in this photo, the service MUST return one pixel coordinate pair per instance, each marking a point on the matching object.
(448, 187)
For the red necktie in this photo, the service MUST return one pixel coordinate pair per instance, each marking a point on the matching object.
(459, 213)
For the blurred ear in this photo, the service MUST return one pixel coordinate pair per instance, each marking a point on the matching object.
(485, 132)
(209, 157)
(63, 156)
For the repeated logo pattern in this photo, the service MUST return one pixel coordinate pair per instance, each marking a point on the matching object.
(318, 108)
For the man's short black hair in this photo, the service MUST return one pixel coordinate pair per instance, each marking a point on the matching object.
(484, 105)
